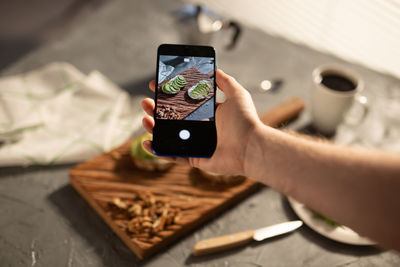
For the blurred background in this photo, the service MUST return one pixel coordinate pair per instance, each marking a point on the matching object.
(362, 31)
(24, 25)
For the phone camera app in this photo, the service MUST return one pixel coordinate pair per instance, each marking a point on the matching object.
(185, 89)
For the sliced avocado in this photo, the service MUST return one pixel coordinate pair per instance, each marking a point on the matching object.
(134, 148)
(169, 88)
(163, 87)
(180, 84)
(181, 78)
(137, 149)
(174, 87)
(196, 94)
(206, 85)
(200, 89)
(144, 153)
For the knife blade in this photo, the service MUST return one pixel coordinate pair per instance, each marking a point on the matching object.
(225, 242)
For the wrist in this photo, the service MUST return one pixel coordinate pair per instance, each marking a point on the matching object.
(255, 150)
(269, 158)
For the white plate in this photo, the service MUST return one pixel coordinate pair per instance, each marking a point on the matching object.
(341, 233)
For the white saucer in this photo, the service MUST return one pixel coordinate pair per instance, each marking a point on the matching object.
(340, 233)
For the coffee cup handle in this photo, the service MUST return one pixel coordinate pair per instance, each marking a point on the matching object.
(358, 112)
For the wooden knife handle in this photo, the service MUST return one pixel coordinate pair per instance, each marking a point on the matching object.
(220, 243)
(283, 113)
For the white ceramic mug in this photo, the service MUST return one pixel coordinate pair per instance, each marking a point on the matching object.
(329, 105)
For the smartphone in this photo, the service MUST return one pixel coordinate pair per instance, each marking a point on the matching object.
(184, 111)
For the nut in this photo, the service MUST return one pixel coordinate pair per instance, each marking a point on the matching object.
(135, 210)
(147, 224)
(167, 112)
(146, 219)
(144, 216)
(120, 204)
(177, 218)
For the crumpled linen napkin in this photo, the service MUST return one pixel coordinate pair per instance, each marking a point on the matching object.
(164, 71)
(56, 114)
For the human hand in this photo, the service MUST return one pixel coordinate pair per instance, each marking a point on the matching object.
(235, 120)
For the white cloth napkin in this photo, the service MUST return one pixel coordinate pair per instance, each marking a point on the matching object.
(164, 71)
(56, 114)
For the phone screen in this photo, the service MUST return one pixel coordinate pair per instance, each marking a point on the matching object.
(185, 101)
(185, 89)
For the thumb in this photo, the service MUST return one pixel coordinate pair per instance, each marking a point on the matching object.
(227, 83)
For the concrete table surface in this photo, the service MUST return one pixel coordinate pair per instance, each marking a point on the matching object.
(44, 222)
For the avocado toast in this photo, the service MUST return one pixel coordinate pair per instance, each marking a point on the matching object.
(174, 85)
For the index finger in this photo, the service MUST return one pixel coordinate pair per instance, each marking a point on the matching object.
(152, 85)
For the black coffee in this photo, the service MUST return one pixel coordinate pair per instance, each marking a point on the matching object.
(337, 82)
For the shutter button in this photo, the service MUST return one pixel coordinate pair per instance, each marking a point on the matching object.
(184, 134)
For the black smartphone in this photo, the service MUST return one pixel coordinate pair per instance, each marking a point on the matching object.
(184, 111)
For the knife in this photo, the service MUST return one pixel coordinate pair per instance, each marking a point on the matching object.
(225, 242)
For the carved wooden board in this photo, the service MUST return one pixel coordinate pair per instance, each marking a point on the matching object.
(112, 174)
(181, 101)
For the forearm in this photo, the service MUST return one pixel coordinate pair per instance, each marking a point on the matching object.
(358, 188)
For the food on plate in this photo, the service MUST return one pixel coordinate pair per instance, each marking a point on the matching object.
(200, 90)
(144, 215)
(222, 178)
(174, 85)
(326, 219)
(145, 160)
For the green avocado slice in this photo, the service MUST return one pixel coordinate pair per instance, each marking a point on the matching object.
(205, 84)
(178, 83)
(164, 87)
(137, 149)
(174, 87)
(181, 78)
(201, 90)
(169, 89)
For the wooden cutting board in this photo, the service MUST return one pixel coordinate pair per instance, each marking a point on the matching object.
(181, 101)
(112, 174)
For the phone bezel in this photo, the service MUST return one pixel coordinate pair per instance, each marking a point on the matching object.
(207, 127)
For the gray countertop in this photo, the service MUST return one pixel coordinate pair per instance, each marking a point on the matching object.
(44, 222)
